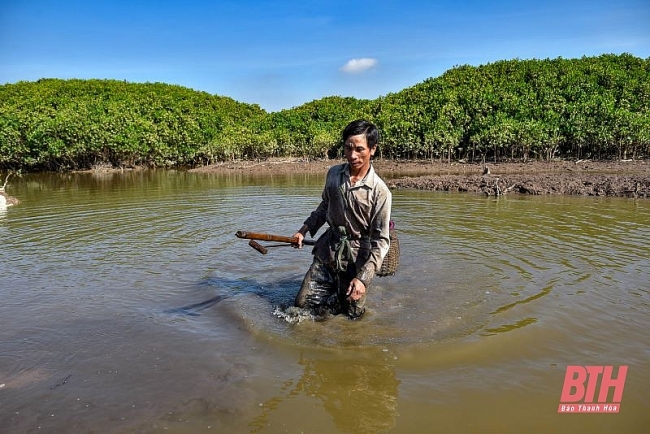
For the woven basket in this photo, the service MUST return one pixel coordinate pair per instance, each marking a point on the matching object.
(391, 260)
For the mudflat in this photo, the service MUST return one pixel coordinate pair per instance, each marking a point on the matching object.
(626, 178)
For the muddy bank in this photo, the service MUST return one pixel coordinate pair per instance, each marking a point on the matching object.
(590, 178)
(587, 178)
(637, 186)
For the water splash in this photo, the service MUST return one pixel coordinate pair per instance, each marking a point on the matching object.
(295, 315)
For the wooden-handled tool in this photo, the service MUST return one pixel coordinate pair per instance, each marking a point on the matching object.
(252, 236)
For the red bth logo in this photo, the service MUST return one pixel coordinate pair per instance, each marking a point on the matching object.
(579, 390)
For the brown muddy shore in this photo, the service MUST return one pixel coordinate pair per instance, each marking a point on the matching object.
(585, 177)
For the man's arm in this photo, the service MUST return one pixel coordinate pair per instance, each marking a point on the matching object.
(317, 218)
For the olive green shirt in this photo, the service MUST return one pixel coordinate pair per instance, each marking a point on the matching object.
(363, 210)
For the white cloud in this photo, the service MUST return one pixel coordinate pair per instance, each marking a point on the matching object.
(355, 66)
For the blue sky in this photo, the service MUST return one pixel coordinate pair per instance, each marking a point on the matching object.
(281, 54)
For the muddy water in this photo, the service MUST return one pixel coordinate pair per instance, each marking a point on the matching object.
(128, 305)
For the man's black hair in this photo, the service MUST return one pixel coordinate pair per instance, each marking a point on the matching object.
(361, 126)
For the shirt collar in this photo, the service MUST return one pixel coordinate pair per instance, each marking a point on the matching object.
(369, 180)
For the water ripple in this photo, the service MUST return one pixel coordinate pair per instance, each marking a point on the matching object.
(467, 262)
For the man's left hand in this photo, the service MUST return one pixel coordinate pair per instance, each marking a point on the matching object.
(356, 290)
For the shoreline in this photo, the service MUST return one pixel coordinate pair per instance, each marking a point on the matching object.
(629, 178)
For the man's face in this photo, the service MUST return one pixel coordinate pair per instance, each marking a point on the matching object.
(357, 152)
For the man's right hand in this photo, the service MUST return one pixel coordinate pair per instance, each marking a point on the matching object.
(300, 237)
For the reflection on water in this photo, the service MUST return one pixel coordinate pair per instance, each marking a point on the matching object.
(360, 395)
(129, 305)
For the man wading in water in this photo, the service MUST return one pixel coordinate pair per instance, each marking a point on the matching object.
(356, 204)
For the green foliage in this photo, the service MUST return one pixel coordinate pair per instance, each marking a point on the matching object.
(75, 124)
(593, 107)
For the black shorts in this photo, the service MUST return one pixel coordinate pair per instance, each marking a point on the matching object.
(324, 289)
